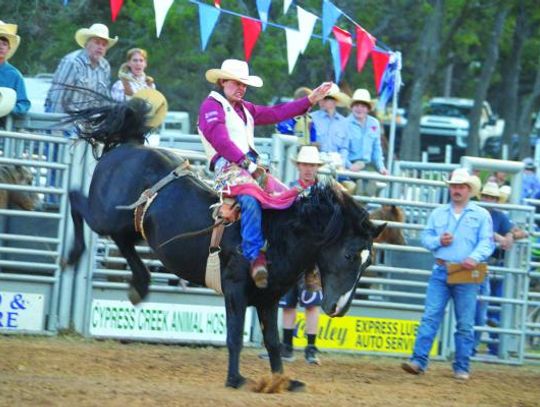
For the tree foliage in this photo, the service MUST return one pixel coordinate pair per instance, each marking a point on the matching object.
(177, 63)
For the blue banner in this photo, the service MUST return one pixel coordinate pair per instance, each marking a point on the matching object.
(334, 48)
(263, 6)
(208, 17)
(330, 14)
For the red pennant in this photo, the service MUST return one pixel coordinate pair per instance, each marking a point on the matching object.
(116, 5)
(344, 39)
(365, 43)
(217, 3)
(380, 62)
(252, 29)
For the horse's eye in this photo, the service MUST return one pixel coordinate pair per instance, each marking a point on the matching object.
(351, 256)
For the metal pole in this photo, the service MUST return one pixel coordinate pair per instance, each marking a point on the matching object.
(397, 85)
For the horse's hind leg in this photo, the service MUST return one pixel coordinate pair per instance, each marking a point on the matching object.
(140, 275)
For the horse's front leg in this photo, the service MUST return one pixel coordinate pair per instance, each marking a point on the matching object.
(235, 307)
(268, 316)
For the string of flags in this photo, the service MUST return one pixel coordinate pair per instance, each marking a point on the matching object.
(385, 62)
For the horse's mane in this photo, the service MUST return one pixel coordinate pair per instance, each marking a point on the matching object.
(325, 213)
(110, 123)
(7, 174)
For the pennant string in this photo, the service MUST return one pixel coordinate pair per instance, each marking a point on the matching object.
(232, 13)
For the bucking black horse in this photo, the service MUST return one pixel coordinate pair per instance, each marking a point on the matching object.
(324, 228)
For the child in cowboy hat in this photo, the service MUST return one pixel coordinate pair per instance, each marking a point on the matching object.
(11, 77)
(226, 125)
(86, 69)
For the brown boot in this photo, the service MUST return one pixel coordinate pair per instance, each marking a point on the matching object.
(259, 272)
(312, 280)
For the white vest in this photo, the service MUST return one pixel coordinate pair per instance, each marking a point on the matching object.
(240, 133)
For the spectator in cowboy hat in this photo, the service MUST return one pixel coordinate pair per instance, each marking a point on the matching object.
(11, 77)
(458, 233)
(330, 126)
(301, 126)
(86, 69)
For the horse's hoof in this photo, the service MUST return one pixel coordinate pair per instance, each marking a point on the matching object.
(236, 382)
(296, 385)
(134, 296)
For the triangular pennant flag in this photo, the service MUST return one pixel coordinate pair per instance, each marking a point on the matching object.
(286, 5)
(365, 43)
(336, 59)
(208, 17)
(252, 29)
(344, 39)
(66, 2)
(116, 5)
(306, 22)
(217, 3)
(263, 6)
(380, 61)
(330, 14)
(293, 47)
(161, 8)
(388, 82)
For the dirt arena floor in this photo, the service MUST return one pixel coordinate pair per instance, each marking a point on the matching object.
(71, 371)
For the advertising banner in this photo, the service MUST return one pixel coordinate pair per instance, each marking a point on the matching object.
(21, 311)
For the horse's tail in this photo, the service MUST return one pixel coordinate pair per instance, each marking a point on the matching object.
(111, 123)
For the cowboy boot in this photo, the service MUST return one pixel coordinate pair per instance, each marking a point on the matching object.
(312, 280)
(259, 272)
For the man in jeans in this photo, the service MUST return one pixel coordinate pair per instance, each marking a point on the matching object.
(458, 232)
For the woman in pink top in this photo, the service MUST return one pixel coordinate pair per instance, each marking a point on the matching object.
(226, 125)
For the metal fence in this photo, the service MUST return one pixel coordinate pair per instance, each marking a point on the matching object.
(93, 299)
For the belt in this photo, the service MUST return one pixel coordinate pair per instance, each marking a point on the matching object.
(440, 262)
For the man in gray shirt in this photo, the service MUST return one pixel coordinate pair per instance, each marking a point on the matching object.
(86, 68)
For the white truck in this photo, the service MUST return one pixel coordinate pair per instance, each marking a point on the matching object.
(446, 122)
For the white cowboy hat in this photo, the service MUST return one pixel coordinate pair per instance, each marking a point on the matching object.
(96, 30)
(9, 31)
(8, 97)
(308, 155)
(462, 176)
(362, 96)
(159, 104)
(234, 69)
(491, 189)
(341, 98)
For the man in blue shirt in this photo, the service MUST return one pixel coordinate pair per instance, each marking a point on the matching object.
(458, 232)
(364, 133)
(502, 233)
(330, 126)
(10, 77)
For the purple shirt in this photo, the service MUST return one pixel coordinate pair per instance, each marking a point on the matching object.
(213, 127)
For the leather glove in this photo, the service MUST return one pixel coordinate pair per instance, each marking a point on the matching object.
(260, 175)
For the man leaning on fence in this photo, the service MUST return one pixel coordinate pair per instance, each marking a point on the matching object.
(460, 236)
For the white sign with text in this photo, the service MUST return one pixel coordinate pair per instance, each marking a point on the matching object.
(21, 311)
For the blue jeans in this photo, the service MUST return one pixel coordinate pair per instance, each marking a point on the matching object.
(437, 296)
(250, 226)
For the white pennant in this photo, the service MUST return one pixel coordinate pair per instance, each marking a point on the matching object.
(306, 22)
(293, 47)
(161, 8)
(286, 5)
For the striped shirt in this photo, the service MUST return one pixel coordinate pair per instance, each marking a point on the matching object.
(76, 69)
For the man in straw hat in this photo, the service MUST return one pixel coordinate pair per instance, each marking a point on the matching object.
(86, 69)
(330, 124)
(226, 125)
(11, 77)
(503, 235)
(364, 132)
(460, 234)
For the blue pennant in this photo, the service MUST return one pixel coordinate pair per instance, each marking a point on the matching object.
(208, 17)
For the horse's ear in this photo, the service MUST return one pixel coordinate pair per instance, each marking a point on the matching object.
(378, 230)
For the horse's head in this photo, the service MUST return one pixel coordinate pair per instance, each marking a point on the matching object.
(390, 213)
(19, 175)
(344, 245)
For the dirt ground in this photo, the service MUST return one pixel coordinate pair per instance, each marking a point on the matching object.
(71, 371)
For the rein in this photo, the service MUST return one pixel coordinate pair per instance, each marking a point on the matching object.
(195, 233)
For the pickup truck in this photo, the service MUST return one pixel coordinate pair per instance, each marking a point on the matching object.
(446, 122)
